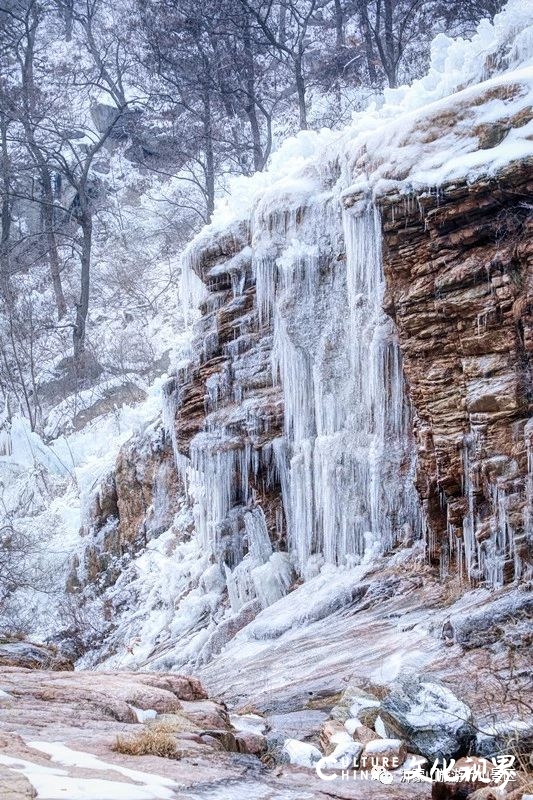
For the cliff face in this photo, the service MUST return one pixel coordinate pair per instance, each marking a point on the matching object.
(135, 503)
(294, 404)
(360, 379)
(459, 271)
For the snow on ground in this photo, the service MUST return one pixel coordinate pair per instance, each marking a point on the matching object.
(46, 490)
(62, 754)
(143, 715)
(52, 783)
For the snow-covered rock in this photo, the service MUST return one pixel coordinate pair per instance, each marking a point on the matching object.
(428, 717)
(301, 753)
(514, 736)
(389, 753)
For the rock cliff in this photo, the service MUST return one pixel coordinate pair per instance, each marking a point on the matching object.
(459, 269)
(360, 375)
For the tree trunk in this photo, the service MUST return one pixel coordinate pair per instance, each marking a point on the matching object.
(69, 13)
(339, 26)
(390, 66)
(5, 273)
(209, 157)
(82, 307)
(369, 48)
(53, 254)
(251, 113)
(300, 87)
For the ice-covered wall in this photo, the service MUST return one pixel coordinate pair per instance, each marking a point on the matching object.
(303, 288)
(346, 458)
(295, 401)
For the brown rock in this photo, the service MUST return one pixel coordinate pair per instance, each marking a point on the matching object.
(183, 686)
(226, 739)
(471, 770)
(331, 734)
(253, 743)
(15, 786)
(86, 711)
(206, 714)
(460, 289)
(364, 734)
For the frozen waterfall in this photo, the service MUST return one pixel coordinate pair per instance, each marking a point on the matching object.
(348, 457)
(345, 463)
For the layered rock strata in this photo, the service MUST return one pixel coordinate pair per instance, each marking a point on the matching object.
(459, 274)
(224, 410)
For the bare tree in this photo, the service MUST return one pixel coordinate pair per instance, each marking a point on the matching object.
(285, 25)
(27, 108)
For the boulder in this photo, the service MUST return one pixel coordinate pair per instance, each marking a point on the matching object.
(184, 687)
(356, 702)
(488, 624)
(431, 720)
(301, 753)
(514, 736)
(226, 740)
(345, 756)
(15, 786)
(32, 656)
(252, 743)
(358, 731)
(332, 734)
(206, 714)
(388, 753)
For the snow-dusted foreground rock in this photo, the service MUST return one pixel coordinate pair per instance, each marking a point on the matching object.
(58, 731)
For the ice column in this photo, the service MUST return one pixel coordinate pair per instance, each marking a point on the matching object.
(348, 468)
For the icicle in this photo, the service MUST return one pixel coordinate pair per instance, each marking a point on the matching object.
(219, 480)
(259, 545)
(343, 397)
(191, 289)
(469, 540)
(262, 573)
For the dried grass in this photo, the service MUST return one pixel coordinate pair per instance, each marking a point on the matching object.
(155, 739)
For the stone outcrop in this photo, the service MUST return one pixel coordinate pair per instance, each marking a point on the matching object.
(70, 732)
(136, 502)
(224, 408)
(429, 718)
(29, 655)
(459, 274)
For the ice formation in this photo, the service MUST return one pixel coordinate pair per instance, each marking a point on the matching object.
(339, 367)
(309, 230)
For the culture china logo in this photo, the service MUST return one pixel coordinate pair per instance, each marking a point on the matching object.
(497, 771)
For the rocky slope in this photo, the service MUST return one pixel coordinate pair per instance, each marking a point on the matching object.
(67, 735)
